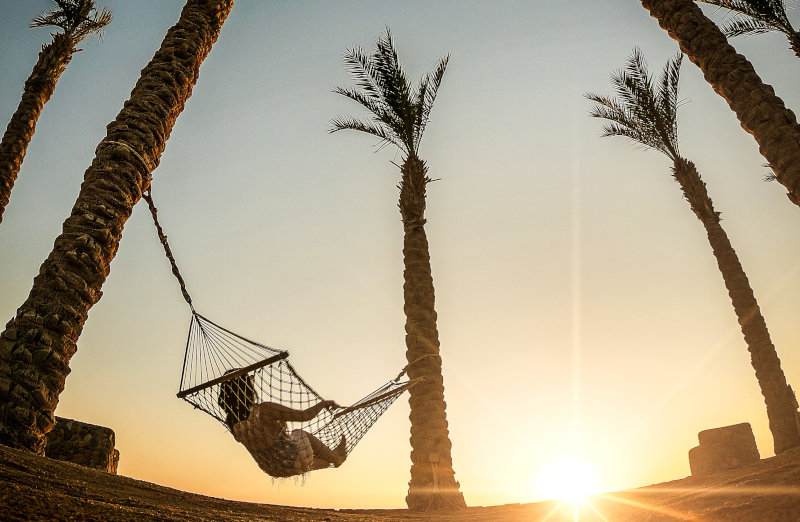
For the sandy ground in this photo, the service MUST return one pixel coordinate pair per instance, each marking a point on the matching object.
(37, 488)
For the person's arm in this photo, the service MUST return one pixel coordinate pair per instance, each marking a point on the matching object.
(286, 414)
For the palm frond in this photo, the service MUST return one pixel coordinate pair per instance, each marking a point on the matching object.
(772, 12)
(399, 112)
(742, 26)
(610, 109)
(761, 9)
(754, 16)
(419, 99)
(77, 18)
(624, 122)
(94, 25)
(635, 88)
(667, 97)
(719, 3)
(397, 92)
(375, 105)
(641, 112)
(363, 70)
(382, 114)
(633, 133)
(427, 96)
(49, 19)
(343, 123)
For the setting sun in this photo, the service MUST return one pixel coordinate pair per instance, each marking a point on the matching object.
(568, 479)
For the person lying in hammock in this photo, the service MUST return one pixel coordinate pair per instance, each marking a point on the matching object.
(262, 429)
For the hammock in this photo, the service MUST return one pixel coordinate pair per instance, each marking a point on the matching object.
(226, 375)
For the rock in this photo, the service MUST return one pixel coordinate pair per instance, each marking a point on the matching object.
(81, 443)
(723, 448)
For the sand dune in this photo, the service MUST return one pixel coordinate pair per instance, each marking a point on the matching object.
(37, 488)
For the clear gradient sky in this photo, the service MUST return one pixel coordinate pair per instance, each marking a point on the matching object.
(580, 307)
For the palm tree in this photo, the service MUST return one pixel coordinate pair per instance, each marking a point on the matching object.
(78, 19)
(758, 16)
(760, 112)
(399, 116)
(37, 344)
(647, 114)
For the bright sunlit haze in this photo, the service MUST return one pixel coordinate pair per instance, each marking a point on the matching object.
(568, 478)
(586, 334)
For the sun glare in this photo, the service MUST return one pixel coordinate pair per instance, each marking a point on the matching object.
(567, 479)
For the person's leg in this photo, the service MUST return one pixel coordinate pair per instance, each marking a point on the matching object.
(323, 456)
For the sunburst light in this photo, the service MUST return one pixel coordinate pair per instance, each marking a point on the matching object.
(568, 479)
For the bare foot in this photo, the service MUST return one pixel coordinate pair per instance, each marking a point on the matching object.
(340, 452)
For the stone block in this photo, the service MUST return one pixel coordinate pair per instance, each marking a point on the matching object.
(81, 443)
(723, 448)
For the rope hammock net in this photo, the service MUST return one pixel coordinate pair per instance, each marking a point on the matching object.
(253, 390)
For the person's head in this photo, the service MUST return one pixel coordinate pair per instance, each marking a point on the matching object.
(236, 397)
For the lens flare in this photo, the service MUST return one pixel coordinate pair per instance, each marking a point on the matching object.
(567, 479)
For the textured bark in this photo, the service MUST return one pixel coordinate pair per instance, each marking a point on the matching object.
(39, 87)
(760, 112)
(433, 485)
(38, 343)
(778, 395)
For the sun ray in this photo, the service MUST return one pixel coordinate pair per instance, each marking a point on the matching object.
(596, 511)
(690, 374)
(552, 512)
(649, 507)
(489, 408)
(567, 479)
(576, 304)
(734, 491)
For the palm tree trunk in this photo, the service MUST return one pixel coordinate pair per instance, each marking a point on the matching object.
(38, 343)
(784, 422)
(433, 485)
(760, 112)
(39, 87)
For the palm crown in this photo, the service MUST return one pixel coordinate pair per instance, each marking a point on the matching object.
(643, 112)
(78, 18)
(755, 16)
(399, 112)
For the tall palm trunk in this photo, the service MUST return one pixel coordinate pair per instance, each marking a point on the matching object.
(38, 343)
(760, 112)
(39, 87)
(433, 484)
(779, 397)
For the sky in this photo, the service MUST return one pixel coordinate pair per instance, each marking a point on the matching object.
(580, 309)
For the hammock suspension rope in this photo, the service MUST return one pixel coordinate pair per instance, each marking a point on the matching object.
(225, 375)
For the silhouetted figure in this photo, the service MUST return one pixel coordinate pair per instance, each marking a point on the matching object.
(262, 429)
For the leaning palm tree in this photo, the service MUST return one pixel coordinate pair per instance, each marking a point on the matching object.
(756, 17)
(77, 19)
(37, 344)
(760, 112)
(399, 116)
(647, 114)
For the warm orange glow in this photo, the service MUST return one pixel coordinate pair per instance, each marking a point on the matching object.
(661, 510)
(568, 479)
